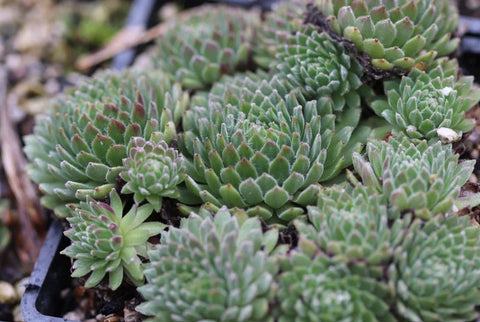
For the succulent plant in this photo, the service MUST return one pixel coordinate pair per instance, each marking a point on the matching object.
(106, 242)
(285, 19)
(436, 272)
(308, 58)
(260, 150)
(351, 225)
(76, 149)
(152, 172)
(312, 288)
(314, 62)
(263, 148)
(214, 268)
(395, 33)
(423, 102)
(414, 176)
(205, 44)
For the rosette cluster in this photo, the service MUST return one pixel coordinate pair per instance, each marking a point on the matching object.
(262, 147)
(430, 271)
(285, 19)
(313, 61)
(153, 171)
(207, 43)
(311, 288)
(436, 272)
(285, 217)
(423, 102)
(396, 33)
(106, 242)
(212, 268)
(351, 225)
(414, 176)
(308, 57)
(77, 148)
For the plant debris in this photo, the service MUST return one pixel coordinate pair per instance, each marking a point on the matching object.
(372, 75)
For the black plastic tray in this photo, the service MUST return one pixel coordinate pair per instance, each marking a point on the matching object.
(41, 300)
(469, 51)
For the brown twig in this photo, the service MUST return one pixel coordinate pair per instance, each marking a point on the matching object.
(124, 39)
(372, 76)
(30, 228)
(127, 38)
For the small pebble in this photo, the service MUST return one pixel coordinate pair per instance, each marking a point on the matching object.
(52, 87)
(20, 285)
(112, 318)
(475, 154)
(131, 315)
(76, 315)
(168, 11)
(17, 313)
(13, 62)
(446, 91)
(473, 178)
(8, 295)
(447, 135)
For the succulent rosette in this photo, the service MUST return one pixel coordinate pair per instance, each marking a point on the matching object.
(152, 171)
(314, 62)
(351, 225)
(436, 272)
(312, 288)
(395, 33)
(106, 242)
(77, 148)
(207, 43)
(308, 58)
(414, 176)
(263, 148)
(285, 19)
(425, 101)
(213, 268)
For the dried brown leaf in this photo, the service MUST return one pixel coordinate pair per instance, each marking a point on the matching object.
(31, 220)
